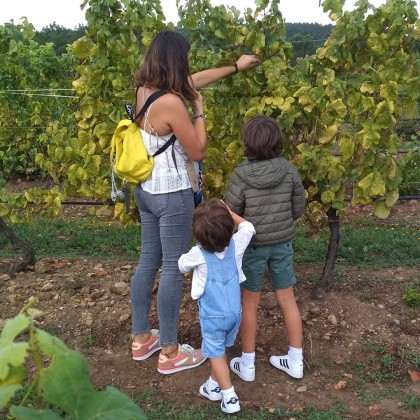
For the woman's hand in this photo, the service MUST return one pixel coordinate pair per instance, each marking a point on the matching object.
(247, 62)
(197, 105)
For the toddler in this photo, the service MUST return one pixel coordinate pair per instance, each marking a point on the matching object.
(216, 262)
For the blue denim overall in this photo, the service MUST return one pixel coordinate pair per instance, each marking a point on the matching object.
(220, 305)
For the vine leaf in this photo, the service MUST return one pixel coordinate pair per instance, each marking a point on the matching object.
(24, 413)
(12, 358)
(11, 353)
(49, 345)
(67, 385)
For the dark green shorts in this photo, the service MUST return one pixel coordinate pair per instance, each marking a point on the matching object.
(278, 258)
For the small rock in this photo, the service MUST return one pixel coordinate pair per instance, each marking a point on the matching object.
(43, 266)
(11, 298)
(380, 306)
(72, 284)
(340, 385)
(315, 310)
(96, 294)
(333, 319)
(87, 318)
(47, 287)
(86, 290)
(5, 277)
(303, 388)
(124, 317)
(120, 288)
(374, 410)
(343, 323)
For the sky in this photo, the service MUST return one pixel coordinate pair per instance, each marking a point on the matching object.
(67, 13)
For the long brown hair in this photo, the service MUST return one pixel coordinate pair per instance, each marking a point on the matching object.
(165, 65)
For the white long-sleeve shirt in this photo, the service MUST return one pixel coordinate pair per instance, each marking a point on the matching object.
(194, 259)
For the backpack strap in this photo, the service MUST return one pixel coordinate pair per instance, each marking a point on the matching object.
(146, 105)
(165, 146)
(148, 102)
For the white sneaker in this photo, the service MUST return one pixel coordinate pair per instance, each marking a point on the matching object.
(230, 406)
(295, 370)
(246, 373)
(212, 394)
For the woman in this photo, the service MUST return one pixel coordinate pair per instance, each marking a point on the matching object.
(165, 200)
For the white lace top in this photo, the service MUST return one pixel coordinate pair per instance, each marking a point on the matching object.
(165, 177)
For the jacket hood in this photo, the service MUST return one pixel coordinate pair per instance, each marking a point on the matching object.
(261, 174)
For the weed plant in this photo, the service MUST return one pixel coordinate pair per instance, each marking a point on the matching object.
(388, 363)
(412, 297)
(411, 403)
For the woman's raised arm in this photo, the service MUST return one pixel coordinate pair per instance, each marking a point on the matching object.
(207, 77)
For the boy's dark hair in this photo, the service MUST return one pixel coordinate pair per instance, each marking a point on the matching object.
(263, 138)
(213, 225)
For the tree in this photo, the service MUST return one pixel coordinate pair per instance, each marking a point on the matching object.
(59, 36)
(306, 38)
(303, 45)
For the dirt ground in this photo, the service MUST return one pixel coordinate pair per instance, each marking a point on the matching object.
(86, 304)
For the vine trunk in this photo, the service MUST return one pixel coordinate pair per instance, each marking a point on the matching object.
(320, 289)
(28, 251)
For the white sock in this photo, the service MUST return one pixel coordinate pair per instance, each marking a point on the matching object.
(229, 393)
(248, 359)
(212, 383)
(295, 354)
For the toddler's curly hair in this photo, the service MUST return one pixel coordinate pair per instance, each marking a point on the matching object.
(213, 225)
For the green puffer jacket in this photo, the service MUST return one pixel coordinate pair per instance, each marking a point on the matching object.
(270, 195)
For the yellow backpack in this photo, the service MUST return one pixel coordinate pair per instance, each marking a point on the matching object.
(129, 158)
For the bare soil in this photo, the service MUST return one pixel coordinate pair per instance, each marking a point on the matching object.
(86, 304)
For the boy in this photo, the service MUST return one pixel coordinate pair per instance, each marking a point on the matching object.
(216, 262)
(268, 192)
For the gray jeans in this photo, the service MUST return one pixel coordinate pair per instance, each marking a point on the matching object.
(165, 236)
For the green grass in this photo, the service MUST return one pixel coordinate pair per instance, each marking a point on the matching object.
(362, 244)
(77, 238)
(411, 403)
(386, 363)
(374, 397)
(157, 409)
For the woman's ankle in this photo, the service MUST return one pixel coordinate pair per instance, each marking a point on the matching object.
(170, 351)
(142, 338)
